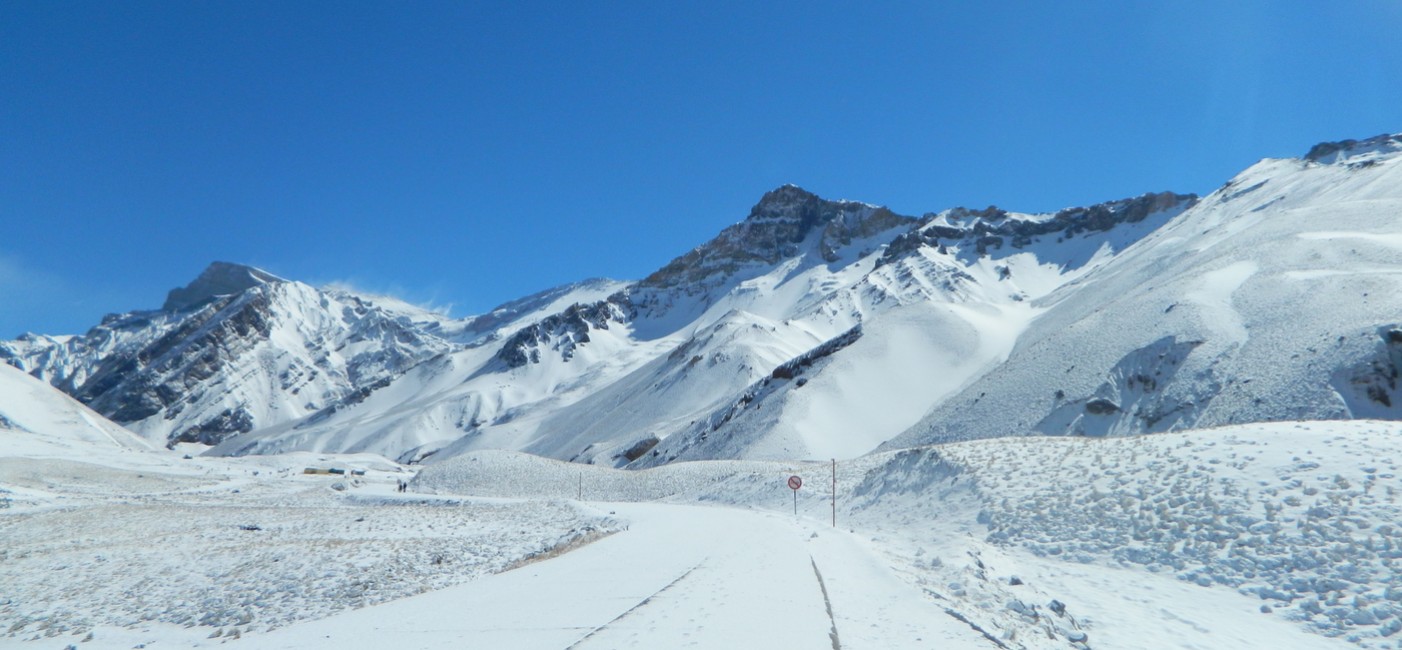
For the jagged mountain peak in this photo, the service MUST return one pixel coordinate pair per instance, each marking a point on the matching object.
(218, 279)
(787, 200)
(792, 203)
(776, 229)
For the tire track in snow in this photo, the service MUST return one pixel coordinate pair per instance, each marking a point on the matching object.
(827, 602)
(634, 608)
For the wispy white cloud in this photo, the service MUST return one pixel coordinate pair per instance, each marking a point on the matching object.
(390, 296)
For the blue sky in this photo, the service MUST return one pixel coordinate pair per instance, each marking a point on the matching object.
(465, 154)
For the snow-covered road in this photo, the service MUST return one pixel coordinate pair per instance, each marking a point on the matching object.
(680, 576)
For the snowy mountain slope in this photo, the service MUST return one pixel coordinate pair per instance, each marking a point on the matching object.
(1271, 299)
(511, 316)
(849, 395)
(212, 364)
(605, 381)
(602, 370)
(35, 415)
(471, 392)
(538, 370)
(1173, 307)
(920, 292)
(934, 313)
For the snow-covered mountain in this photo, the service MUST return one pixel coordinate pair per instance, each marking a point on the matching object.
(1275, 298)
(810, 329)
(665, 358)
(234, 350)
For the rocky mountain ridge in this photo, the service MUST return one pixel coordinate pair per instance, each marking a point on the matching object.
(963, 315)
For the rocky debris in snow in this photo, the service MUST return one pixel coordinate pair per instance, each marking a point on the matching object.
(1316, 539)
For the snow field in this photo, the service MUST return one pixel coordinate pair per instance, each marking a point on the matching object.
(1270, 535)
(231, 554)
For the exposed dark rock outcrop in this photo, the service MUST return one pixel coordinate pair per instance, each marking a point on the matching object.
(795, 367)
(791, 369)
(1371, 387)
(1329, 152)
(563, 332)
(1135, 396)
(992, 228)
(134, 384)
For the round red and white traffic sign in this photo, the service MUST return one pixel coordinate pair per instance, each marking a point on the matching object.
(795, 483)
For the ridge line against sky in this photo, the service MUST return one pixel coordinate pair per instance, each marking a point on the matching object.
(467, 154)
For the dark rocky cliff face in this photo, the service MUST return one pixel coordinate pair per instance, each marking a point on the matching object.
(132, 385)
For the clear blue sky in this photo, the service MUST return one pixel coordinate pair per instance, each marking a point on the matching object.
(469, 153)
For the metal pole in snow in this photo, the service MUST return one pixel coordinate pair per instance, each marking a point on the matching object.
(794, 483)
(834, 493)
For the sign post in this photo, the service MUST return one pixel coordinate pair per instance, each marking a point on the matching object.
(794, 484)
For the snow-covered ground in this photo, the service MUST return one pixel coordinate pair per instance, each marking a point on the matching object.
(1268, 535)
(107, 543)
(1260, 536)
(1280, 535)
(88, 549)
